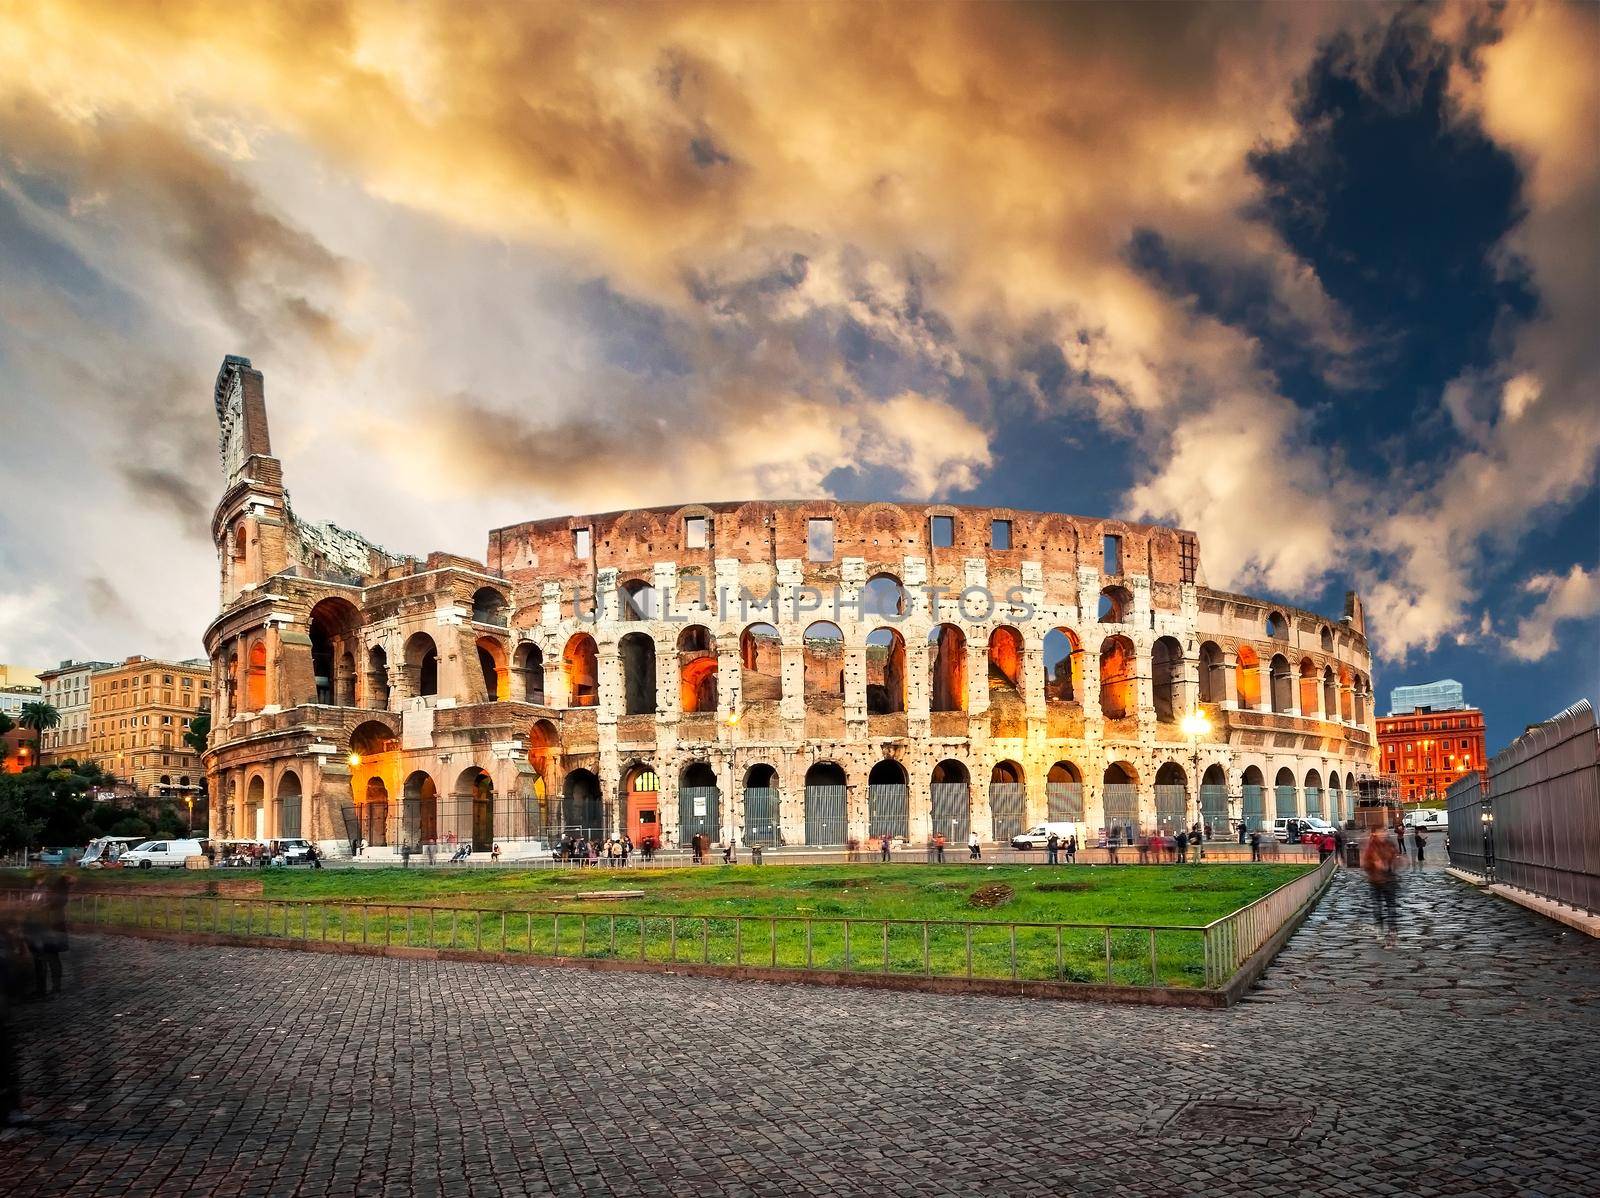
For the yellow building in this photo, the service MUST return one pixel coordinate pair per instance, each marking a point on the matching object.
(138, 713)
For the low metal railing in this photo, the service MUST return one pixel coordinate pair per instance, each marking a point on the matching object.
(1236, 937)
(1134, 955)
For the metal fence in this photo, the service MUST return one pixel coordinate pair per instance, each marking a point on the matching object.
(760, 815)
(699, 811)
(951, 814)
(888, 809)
(1064, 802)
(1542, 803)
(1008, 810)
(825, 814)
(1467, 831)
(1254, 806)
(1135, 955)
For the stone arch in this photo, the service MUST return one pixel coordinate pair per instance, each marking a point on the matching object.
(823, 654)
(1282, 683)
(286, 805)
(947, 668)
(1308, 687)
(474, 802)
(419, 810)
(372, 737)
(1167, 678)
(1119, 796)
(582, 809)
(1330, 694)
(527, 673)
(1346, 696)
(1008, 801)
(1247, 678)
(1063, 792)
(826, 791)
(1116, 605)
(1005, 660)
(1213, 673)
(1326, 639)
(544, 747)
(886, 672)
(1253, 798)
(637, 600)
(580, 662)
(375, 813)
(1285, 794)
(489, 606)
(1063, 666)
(760, 663)
(254, 816)
(883, 597)
(1276, 626)
(761, 804)
(335, 633)
(638, 653)
(492, 665)
(699, 803)
(697, 669)
(1173, 808)
(1118, 689)
(1316, 799)
(255, 686)
(950, 797)
(378, 693)
(422, 664)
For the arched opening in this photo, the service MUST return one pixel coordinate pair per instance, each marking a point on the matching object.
(950, 797)
(1214, 800)
(1277, 626)
(761, 805)
(641, 805)
(372, 737)
(1005, 660)
(638, 600)
(824, 662)
(544, 748)
(377, 677)
(375, 813)
(888, 801)
(255, 812)
(1008, 801)
(1213, 674)
(1316, 801)
(1254, 799)
(1330, 695)
(334, 629)
(1172, 798)
(825, 804)
(947, 669)
(1166, 680)
(582, 813)
(1282, 683)
(1116, 605)
(1117, 678)
(1063, 792)
(166, 780)
(422, 665)
(760, 662)
(492, 664)
(697, 669)
(580, 664)
(699, 804)
(255, 686)
(1119, 794)
(419, 810)
(638, 653)
(287, 816)
(1361, 691)
(1063, 666)
(489, 606)
(883, 596)
(475, 808)
(527, 672)
(886, 672)
(1285, 794)
(1326, 637)
(1308, 687)
(1338, 800)
(1247, 678)
(1346, 696)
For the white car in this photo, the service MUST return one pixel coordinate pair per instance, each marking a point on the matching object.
(1038, 836)
(1310, 825)
(171, 853)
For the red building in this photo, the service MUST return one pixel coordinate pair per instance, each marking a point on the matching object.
(18, 748)
(1424, 751)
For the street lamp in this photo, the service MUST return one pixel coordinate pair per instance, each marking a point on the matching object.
(1487, 816)
(1195, 725)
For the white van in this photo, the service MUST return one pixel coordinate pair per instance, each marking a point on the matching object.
(1430, 818)
(171, 853)
(1038, 836)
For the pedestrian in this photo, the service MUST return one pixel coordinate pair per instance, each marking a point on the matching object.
(1420, 838)
(755, 853)
(883, 847)
(729, 857)
(1338, 846)
(494, 853)
(1052, 849)
(694, 848)
(1208, 829)
(1243, 828)
(316, 857)
(1182, 843)
(1072, 849)
(47, 933)
(627, 848)
(428, 849)
(974, 849)
(1324, 847)
(1255, 845)
(1378, 856)
(938, 847)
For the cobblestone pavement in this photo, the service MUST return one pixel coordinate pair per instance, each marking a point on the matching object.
(1463, 1062)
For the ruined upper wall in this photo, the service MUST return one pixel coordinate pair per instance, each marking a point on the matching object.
(764, 532)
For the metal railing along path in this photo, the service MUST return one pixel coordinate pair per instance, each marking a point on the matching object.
(1199, 957)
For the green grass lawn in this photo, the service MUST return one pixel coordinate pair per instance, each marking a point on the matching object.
(816, 916)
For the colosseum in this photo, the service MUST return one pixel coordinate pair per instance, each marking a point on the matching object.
(784, 673)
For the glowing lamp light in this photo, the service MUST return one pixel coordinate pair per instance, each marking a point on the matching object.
(355, 759)
(731, 719)
(1195, 724)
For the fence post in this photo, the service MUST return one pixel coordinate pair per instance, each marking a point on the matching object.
(1155, 977)
(1110, 974)
(705, 940)
(408, 927)
(808, 942)
(503, 946)
(927, 964)
(672, 942)
(613, 920)
(886, 946)
(772, 935)
(969, 949)
(1060, 970)
(641, 938)
(555, 950)
(738, 940)
(430, 927)
(583, 935)
(847, 946)
(477, 921)
(366, 918)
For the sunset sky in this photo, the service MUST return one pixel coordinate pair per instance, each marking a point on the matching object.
(1319, 282)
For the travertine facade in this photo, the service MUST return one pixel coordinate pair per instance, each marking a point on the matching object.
(797, 671)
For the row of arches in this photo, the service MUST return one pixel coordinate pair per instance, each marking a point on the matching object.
(1342, 694)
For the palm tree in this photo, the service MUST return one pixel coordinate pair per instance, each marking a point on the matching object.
(38, 716)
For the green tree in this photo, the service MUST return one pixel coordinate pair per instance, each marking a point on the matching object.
(39, 716)
(6, 723)
(199, 732)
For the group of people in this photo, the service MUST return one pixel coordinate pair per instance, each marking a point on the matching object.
(1056, 846)
(614, 850)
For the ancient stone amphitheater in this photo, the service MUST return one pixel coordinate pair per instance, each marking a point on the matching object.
(796, 673)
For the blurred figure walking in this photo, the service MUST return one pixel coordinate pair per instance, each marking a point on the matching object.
(1378, 857)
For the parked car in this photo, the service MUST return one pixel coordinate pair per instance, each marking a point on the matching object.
(1431, 818)
(171, 853)
(292, 850)
(1038, 836)
(1302, 827)
(59, 856)
(1315, 825)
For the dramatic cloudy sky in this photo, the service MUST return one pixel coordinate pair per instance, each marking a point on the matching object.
(1320, 282)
